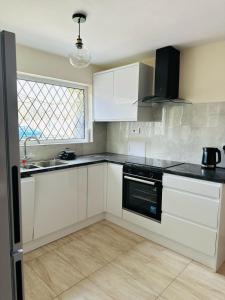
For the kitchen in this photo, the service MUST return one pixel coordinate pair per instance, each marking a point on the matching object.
(121, 154)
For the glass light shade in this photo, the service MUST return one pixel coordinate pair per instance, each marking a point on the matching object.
(80, 58)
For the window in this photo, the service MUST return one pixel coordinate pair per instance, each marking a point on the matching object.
(52, 110)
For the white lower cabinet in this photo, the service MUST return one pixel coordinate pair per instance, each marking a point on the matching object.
(56, 201)
(82, 179)
(193, 186)
(191, 207)
(192, 235)
(27, 208)
(114, 189)
(96, 189)
(190, 212)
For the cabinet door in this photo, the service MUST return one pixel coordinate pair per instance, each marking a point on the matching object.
(103, 96)
(126, 84)
(114, 189)
(96, 189)
(194, 186)
(189, 234)
(56, 201)
(27, 208)
(82, 193)
(198, 209)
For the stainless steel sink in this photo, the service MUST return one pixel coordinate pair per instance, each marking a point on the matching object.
(49, 163)
(29, 167)
(42, 164)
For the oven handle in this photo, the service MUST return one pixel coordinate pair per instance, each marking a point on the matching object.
(139, 180)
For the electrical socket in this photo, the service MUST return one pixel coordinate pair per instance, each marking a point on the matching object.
(135, 131)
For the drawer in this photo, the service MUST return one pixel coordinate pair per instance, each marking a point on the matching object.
(195, 208)
(141, 221)
(189, 234)
(190, 185)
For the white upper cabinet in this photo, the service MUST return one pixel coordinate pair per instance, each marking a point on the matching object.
(115, 92)
(103, 92)
(126, 92)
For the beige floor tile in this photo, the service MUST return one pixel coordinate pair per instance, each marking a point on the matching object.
(125, 233)
(164, 259)
(84, 258)
(119, 285)
(149, 272)
(114, 239)
(196, 283)
(46, 248)
(34, 254)
(112, 234)
(109, 240)
(84, 290)
(58, 243)
(106, 247)
(82, 232)
(139, 269)
(149, 248)
(55, 272)
(35, 288)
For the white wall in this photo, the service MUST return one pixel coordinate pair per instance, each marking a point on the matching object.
(38, 62)
(202, 73)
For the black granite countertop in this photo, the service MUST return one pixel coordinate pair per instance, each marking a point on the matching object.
(103, 157)
(171, 167)
(196, 171)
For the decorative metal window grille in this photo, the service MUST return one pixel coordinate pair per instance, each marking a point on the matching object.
(50, 112)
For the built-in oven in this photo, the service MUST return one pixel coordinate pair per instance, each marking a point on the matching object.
(142, 190)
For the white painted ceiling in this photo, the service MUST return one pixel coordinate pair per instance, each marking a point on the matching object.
(115, 29)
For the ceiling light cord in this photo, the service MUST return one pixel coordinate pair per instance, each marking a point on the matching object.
(79, 28)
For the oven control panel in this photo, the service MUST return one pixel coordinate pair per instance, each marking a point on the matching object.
(143, 171)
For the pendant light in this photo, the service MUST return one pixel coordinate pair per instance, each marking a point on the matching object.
(80, 57)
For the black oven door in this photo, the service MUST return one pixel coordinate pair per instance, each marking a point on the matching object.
(142, 196)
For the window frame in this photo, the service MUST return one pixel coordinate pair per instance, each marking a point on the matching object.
(63, 83)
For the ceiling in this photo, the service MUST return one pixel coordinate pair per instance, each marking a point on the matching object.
(115, 29)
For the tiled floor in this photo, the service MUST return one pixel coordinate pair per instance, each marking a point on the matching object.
(104, 262)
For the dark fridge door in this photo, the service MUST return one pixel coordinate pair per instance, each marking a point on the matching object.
(11, 279)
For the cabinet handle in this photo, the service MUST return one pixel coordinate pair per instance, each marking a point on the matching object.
(139, 180)
(16, 204)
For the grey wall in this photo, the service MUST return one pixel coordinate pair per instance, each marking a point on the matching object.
(177, 132)
(39, 152)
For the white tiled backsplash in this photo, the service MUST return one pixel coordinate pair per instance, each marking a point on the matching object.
(177, 132)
